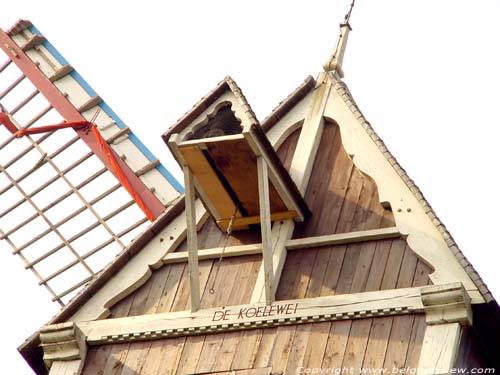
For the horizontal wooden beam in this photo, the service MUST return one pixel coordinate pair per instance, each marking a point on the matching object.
(202, 142)
(215, 253)
(296, 244)
(343, 238)
(250, 316)
(248, 220)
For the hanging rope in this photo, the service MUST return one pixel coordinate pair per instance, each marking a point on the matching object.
(348, 15)
(228, 233)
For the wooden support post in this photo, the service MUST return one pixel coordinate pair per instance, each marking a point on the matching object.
(265, 228)
(447, 308)
(192, 239)
(439, 349)
(300, 171)
(64, 348)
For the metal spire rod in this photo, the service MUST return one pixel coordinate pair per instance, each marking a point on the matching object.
(348, 15)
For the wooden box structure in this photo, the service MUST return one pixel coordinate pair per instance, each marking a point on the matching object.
(225, 148)
(228, 160)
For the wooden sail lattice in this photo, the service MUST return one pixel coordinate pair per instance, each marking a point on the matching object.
(61, 209)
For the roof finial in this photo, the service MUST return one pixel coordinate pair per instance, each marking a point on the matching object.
(334, 63)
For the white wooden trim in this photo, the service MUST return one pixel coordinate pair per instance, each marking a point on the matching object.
(447, 304)
(300, 171)
(424, 238)
(68, 341)
(439, 349)
(226, 97)
(260, 315)
(201, 143)
(161, 251)
(343, 238)
(334, 63)
(281, 131)
(265, 228)
(295, 244)
(310, 136)
(281, 232)
(292, 121)
(64, 348)
(192, 239)
(215, 253)
(278, 183)
(73, 367)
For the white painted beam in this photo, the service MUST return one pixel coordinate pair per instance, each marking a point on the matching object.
(300, 171)
(192, 239)
(260, 315)
(215, 253)
(343, 238)
(265, 229)
(439, 349)
(295, 244)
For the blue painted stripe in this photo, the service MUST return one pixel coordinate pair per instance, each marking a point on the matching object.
(133, 138)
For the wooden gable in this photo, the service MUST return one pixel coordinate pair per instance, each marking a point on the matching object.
(355, 275)
(374, 265)
(344, 200)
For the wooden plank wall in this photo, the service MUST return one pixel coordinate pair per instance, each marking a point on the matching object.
(392, 342)
(342, 199)
(168, 288)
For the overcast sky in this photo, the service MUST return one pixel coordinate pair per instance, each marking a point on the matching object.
(424, 73)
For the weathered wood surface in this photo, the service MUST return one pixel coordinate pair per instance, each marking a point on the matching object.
(236, 161)
(354, 206)
(265, 229)
(364, 343)
(303, 160)
(192, 239)
(337, 190)
(230, 317)
(346, 200)
(439, 349)
(213, 190)
(425, 233)
(65, 367)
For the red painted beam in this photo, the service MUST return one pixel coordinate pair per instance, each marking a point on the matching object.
(70, 113)
(5, 121)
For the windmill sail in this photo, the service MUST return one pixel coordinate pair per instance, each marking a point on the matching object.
(63, 210)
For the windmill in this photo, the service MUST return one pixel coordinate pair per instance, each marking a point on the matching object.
(300, 245)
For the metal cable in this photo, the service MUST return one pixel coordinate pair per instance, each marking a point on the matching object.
(348, 15)
(228, 233)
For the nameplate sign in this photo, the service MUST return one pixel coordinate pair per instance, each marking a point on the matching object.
(243, 313)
